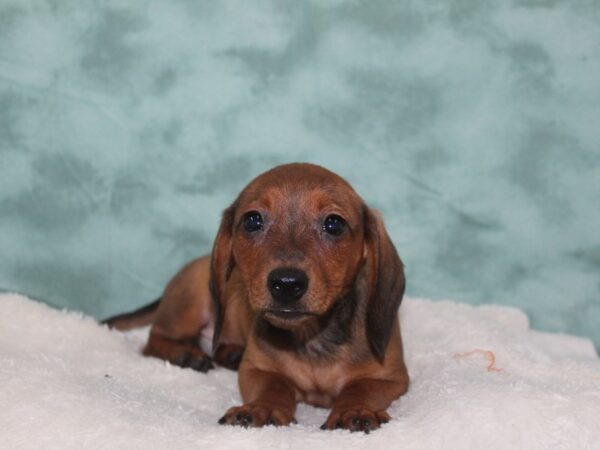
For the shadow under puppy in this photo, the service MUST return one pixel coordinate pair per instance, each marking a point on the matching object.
(301, 291)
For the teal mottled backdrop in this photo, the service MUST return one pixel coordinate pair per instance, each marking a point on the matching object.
(127, 127)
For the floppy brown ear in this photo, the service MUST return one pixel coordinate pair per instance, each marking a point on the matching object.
(221, 265)
(386, 283)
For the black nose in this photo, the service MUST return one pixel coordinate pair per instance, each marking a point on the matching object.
(287, 284)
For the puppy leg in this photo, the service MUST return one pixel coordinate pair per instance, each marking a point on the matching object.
(184, 312)
(236, 324)
(269, 399)
(180, 352)
(361, 405)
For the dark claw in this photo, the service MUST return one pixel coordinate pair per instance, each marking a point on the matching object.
(222, 420)
(338, 425)
(233, 360)
(182, 359)
(196, 364)
(323, 427)
(383, 421)
(366, 424)
(206, 365)
(294, 421)
(356, 423)
(238, 418)
(229, 356)
(247, 420)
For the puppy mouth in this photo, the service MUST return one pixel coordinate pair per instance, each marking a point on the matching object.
(287, 314)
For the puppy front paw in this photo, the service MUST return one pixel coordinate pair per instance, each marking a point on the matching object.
(194, 359)
(257, 415)
(355, 419)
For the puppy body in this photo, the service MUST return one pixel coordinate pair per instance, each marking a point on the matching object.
(325, 332)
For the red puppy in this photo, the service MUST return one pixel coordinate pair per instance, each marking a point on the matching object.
(301, 291)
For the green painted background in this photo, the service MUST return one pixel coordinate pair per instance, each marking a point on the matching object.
(126, 128)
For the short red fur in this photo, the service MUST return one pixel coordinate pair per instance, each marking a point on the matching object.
(340, 347)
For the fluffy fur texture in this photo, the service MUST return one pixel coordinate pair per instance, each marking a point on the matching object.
(68, 383)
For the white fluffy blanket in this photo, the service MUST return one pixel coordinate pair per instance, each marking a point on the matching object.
(480, 379)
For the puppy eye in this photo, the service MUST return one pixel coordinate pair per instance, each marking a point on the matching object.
(334, 225)
(253, 221)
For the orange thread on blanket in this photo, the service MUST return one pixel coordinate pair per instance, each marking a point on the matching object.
(489, 355)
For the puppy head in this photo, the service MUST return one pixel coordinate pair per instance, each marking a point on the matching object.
(299, 235)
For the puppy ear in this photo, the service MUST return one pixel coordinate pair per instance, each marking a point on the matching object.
(221, 265)
(386, 283)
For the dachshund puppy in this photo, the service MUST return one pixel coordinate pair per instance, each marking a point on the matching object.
(301, 291)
